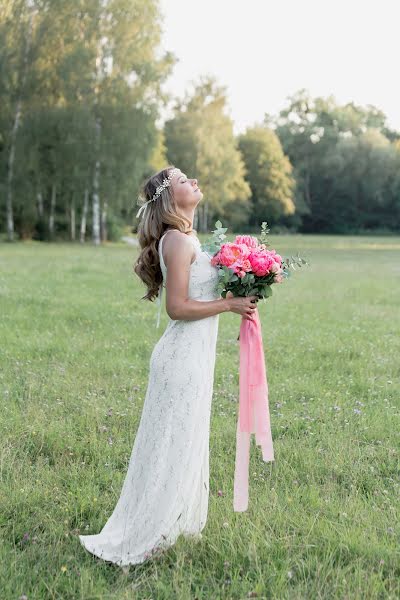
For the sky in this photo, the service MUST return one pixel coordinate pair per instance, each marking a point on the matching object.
(264, 51)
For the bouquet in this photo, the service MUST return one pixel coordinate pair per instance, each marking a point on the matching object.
(246, 267)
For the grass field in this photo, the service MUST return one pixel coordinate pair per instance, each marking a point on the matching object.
(323, 517)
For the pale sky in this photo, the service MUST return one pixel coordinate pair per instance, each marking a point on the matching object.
(265, 50)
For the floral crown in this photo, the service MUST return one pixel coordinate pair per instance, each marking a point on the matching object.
(166, 183)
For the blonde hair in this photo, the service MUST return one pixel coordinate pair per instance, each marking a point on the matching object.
(156, 218)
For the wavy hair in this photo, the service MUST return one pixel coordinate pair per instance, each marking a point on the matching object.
(156, 218)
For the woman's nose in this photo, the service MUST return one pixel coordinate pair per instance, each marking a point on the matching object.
(194, 181)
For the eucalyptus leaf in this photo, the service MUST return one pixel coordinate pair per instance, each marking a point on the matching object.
(268, 291)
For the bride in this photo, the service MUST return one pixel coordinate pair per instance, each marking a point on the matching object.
(166, 488)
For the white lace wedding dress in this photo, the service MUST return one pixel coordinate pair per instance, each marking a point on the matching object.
(165, 492)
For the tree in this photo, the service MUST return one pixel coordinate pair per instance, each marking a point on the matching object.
(94, 86)
(328, 148)
(269, 173)
(200, 141)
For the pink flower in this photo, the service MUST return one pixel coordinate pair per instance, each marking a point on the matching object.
(241, 267)
(215, 260)
(248, 240)
(276, 268)
(278, 278)
(261, 262)
(277, 257)
(230, 254)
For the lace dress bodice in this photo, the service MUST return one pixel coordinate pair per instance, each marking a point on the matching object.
(203, 278)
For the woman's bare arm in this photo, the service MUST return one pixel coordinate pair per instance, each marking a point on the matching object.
(178, 255)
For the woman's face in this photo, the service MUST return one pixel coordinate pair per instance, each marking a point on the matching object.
(187, 193)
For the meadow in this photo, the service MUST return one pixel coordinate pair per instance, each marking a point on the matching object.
(323, 519)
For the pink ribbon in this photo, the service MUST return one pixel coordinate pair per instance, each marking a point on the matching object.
(253, 408)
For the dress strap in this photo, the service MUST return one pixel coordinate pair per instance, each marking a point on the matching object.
(160, 289)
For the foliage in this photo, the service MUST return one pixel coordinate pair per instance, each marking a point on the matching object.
(269, 174)
(92, 97)
(346, 165)
(200, 141)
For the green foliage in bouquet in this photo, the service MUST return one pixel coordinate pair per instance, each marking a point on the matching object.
(250, 284)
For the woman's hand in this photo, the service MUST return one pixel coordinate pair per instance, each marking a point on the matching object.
(242, 305)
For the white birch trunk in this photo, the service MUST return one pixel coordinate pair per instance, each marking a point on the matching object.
(17, 120)
(52, 209)
(205, 217)
(39, 197)
(96, 205)
(84, 214)
(104, 221)
(72, 218)
(96, 218)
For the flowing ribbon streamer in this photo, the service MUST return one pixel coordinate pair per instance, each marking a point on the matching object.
(253, 408)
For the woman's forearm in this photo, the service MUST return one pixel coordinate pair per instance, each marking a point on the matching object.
(190, 310)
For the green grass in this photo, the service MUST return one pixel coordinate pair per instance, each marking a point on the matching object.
(323, 518)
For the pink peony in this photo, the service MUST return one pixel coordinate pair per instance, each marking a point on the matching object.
(277, 257)
(241, 267)
(248, 240)
(261, 262)
(229, 254)
(278, 278)
(276, 268)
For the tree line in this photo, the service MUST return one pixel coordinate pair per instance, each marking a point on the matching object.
(81, 97)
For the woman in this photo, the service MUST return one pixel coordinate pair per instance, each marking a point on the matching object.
(165, 492)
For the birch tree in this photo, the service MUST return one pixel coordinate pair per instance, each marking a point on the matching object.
(25, 11)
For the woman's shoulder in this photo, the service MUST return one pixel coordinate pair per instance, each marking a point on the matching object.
(178, 235)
